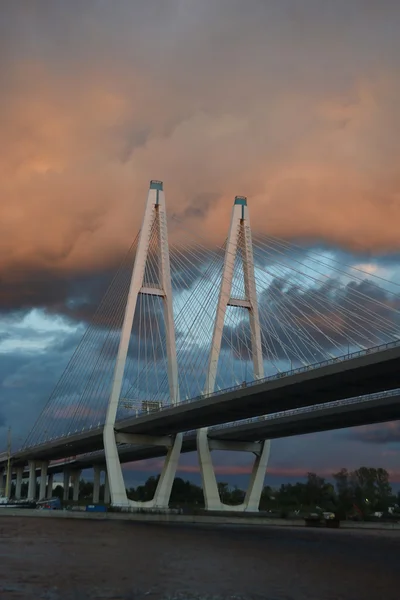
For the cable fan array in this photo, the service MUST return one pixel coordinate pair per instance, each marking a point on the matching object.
(85, 383)
(312, 307)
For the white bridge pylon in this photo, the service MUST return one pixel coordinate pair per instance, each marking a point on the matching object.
(155, 215)
(239, 239)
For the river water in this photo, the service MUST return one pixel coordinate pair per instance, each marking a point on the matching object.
(60, 559)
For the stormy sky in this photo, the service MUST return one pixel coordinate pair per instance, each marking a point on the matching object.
(294, 104)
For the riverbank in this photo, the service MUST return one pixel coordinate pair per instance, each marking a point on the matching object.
(228, 519)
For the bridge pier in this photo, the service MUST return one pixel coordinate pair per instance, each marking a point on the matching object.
(7, 484)
(43, 480)
(50, 486)
(32, 480)
(75, 485)
(212, 498)
(96, 484)
(106, 489)
(66, 475)
(2, 482)
(163, 491)
(18, 482)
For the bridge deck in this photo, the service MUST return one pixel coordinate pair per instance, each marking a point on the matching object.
(377, 409)
(365, 374)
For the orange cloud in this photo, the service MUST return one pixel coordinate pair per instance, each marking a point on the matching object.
(86, 126)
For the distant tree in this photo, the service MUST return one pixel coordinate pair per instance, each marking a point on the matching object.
(366, 488)
(372, 487)
(85, 489)
(185, 492)
(237, 496)
(182, 493)
(223, 489)
(58, 492)
(345, 493)
(146, 492)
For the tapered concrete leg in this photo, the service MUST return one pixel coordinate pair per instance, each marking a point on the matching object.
(32, 480)
(212, 498)
(2, 483)
(254, 491)
(96, 484)
(119, 497)
(165, 483)
(43, 480)
(106, 490)
(50, 486)
(18, 482)
(76, 478)
(66, 485)
(7, 491)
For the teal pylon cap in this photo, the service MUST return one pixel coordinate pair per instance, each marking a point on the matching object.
(156, 185)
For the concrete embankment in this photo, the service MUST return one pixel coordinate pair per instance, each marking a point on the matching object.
(252, 521)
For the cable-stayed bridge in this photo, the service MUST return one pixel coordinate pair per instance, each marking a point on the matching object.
(374, 408)
(188, 337)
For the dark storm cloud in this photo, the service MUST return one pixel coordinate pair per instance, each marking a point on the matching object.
(76, 297)
(26, 381)
(327, 315)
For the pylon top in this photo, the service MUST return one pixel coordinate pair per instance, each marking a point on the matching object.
(156, 185)
(241, 200)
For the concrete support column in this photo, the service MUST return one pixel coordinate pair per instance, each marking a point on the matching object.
(165, 483)
(106, 489)
(7, 485)
(66, 486)
(18, 482)
(75, 483)
(212, 500)
(32, 480)
(43, 480)
(212, 497)
(50, 486)
(2, 482)
(96, 484)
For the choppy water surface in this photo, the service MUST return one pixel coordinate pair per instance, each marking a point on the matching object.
(59, 559)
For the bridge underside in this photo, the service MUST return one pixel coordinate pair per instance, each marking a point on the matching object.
(374, 410)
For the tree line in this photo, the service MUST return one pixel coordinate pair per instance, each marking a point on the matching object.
(360, 492)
